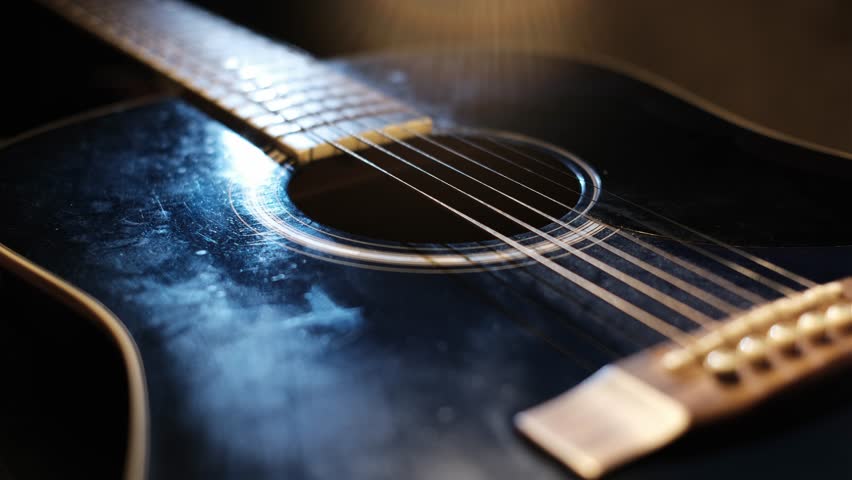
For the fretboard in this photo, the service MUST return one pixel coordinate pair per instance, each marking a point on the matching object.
(305, 108)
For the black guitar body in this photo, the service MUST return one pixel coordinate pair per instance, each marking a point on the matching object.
(264, 362)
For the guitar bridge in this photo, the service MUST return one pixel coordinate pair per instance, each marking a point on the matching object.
(644, 402)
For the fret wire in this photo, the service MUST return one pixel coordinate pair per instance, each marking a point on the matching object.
(270, 87)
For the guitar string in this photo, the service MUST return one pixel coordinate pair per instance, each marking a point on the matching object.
(659, 296)
(739, 268)
(688, 312)
(666, 329)
(732, 265)
(578, 253)
(654, 294)
(705, 296)
(726, 285)
(652, 321)
(784, 290)
(691, 289)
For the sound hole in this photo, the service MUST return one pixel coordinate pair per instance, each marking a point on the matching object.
(346, 194)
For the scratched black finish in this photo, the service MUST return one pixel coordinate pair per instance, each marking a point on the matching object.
(264, 363)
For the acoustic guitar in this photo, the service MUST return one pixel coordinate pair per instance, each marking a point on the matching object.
(440, 265)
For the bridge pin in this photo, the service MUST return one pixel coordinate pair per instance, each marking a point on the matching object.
(839, 317)
(753, 349)
(811, 325)
(782, 337)
(722, 363)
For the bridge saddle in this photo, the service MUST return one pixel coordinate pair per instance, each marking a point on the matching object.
(646, 401)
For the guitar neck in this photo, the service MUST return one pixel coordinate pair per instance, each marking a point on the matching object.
(304, 108)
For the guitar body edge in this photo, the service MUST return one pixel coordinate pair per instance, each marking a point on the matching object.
(77, 300)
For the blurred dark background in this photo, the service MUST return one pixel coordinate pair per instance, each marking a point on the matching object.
(785, 64)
